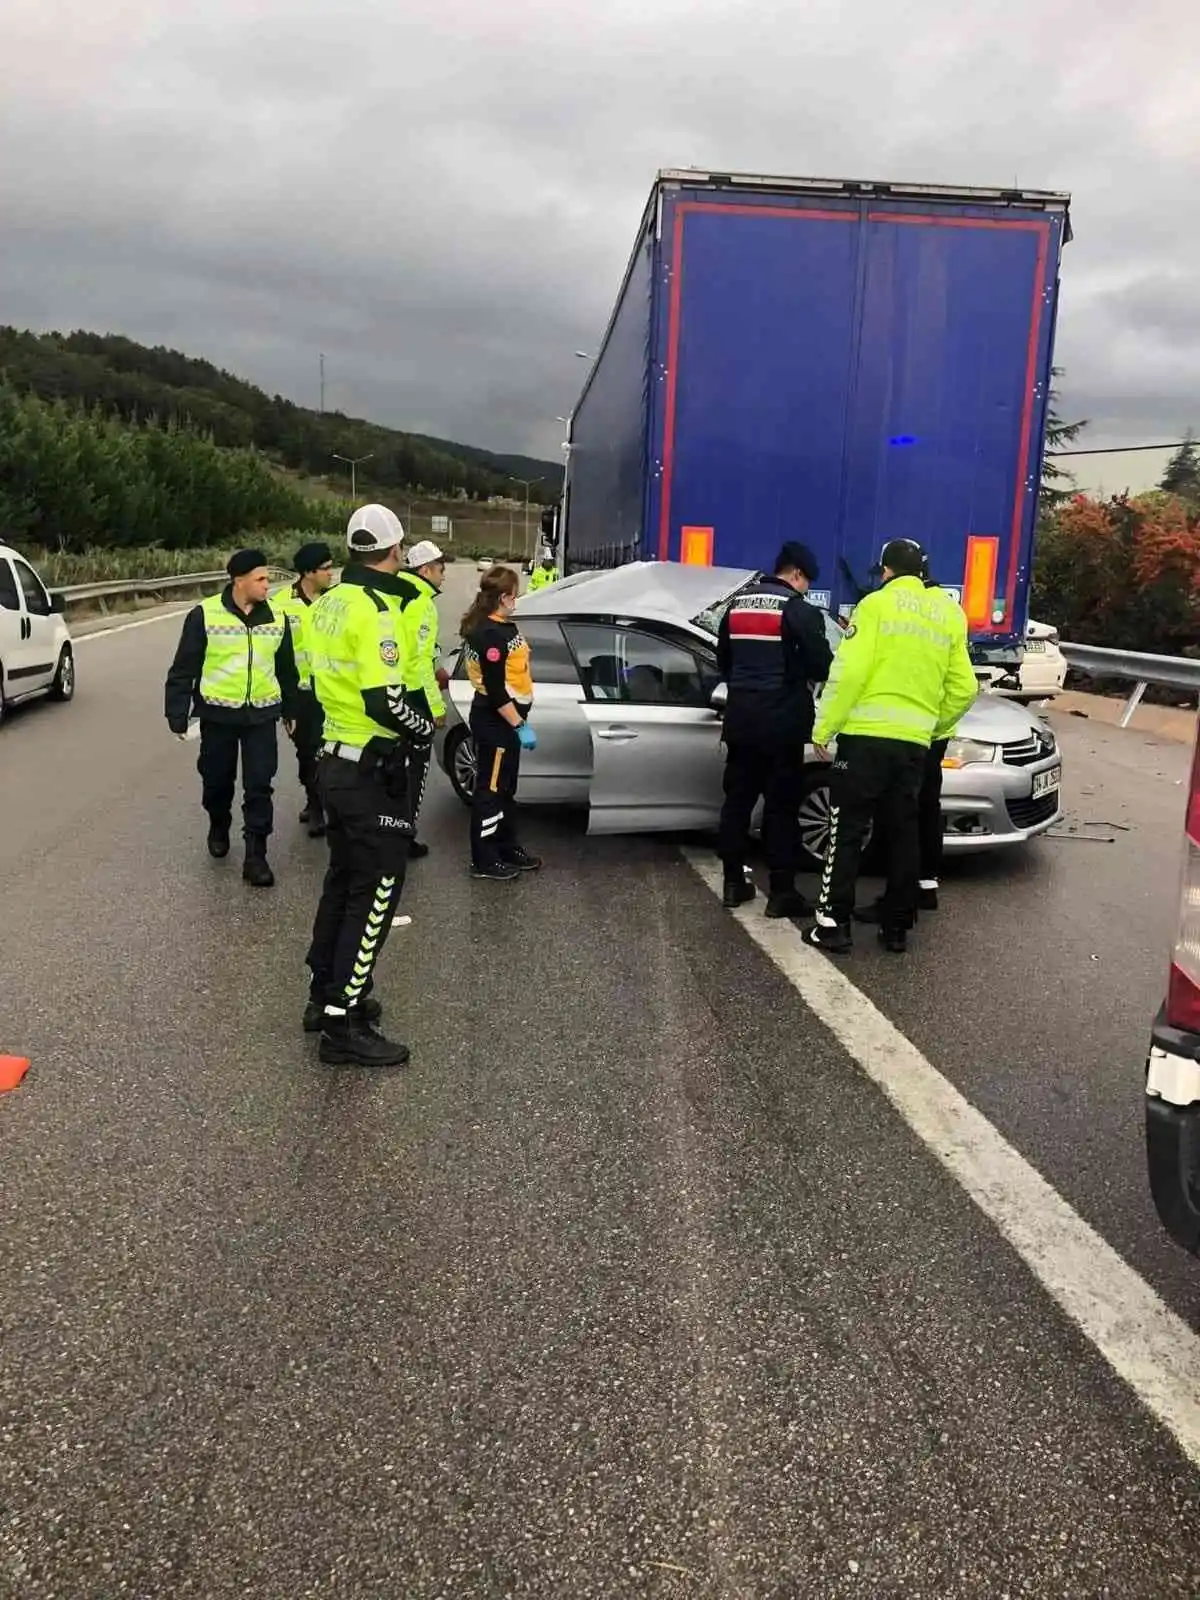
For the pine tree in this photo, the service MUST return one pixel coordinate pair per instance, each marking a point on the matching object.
(1182, 476)
(1058, 485)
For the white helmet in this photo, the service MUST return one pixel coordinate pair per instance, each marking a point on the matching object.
(372, 529)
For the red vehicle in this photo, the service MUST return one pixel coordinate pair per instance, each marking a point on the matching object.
(1173, 1066)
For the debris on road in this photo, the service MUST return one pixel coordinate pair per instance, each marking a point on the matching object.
(12, 1070)
(1073, 828)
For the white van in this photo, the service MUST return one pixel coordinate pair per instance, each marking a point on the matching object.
(36, 656)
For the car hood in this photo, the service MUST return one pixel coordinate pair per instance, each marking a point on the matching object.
(994, 720)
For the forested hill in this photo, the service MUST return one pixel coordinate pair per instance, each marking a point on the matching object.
(168, 387)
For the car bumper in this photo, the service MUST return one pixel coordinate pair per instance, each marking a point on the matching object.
(989, 806)
(1173, 1130)
(1041, 675)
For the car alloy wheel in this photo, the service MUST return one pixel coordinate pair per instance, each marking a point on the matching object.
(815, 816)
(464, 767)
(63, 687)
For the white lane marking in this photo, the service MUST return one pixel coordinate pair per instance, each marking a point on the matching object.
(124, 627)
(1144, 1342)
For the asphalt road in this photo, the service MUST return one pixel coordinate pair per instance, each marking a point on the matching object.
(632, 1284)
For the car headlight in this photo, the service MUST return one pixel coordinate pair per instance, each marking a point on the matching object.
(967, 753)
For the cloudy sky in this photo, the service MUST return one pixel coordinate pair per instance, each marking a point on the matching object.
(441, 194)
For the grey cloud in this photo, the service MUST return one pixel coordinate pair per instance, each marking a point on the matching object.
(442, 197)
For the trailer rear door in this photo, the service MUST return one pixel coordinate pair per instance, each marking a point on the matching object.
(757, 349)
(944, 443)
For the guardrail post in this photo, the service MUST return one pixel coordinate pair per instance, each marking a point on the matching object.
(1131, 705)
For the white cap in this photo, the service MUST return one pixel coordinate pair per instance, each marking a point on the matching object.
(373, 528)
(424, 553)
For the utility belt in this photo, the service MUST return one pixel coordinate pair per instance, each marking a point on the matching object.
(385, 759)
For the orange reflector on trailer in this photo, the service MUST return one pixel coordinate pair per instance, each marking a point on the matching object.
(979, 580)
(696, 547)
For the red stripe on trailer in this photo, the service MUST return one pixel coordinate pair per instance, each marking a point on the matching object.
(664, 519)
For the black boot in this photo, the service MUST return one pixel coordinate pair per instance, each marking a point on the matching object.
(494, 871)
(348, 1041)
(520, 858)
(256, 869)
(314, 815)
(835, 939)
(417, 850)
(893, 940)
(368, 1009)
(218, 840)
(927, 901)
(738, 888)
(784, 899)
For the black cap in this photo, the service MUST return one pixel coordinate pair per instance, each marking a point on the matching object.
(904, 557)
(243, 562)
(800, 557)
(311, 556)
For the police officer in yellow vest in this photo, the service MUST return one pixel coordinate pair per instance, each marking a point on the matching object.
(314, 567)
(901, 679)
(235, 670)
(423, 576)
(356, 645)
(542, 576)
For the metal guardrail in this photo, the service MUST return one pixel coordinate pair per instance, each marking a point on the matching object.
(117, 588)
(1172, 672)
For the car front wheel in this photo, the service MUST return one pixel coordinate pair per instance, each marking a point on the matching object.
(816, 822)
(63, 687)
(461, 764)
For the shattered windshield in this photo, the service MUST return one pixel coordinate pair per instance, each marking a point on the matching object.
(710, 618)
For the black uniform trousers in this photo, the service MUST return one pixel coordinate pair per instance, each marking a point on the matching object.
(929, 812)
(258, 745)
(880, 780)
(493, 807)
(310, 723)
(368, 829)
(418, 761)
(767, 762)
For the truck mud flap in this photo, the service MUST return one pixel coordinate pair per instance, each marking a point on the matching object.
(1173, 1160)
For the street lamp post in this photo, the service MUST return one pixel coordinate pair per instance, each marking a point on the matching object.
(353, 462)
(528, 482)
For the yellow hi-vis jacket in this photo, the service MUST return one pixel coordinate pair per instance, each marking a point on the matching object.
(902, 670)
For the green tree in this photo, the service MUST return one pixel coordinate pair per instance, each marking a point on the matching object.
(1058, 484)
(73, 478)
(1182, 476)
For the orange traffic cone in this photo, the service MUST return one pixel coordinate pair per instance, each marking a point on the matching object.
(12, 1070)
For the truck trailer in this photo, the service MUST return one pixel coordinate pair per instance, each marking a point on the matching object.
(834, 361)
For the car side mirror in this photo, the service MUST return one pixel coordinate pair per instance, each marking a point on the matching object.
(58, 605)
(719, 698)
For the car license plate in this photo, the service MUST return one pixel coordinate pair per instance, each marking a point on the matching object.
(1035, 647)
(1045, 783)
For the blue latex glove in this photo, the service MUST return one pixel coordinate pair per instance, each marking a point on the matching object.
(526, 737)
